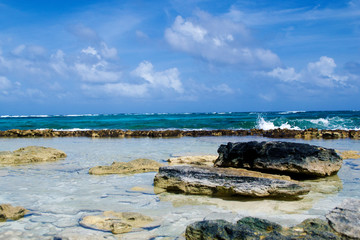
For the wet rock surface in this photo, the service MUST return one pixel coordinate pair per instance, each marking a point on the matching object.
(7, 211)
(139, 165)
(31, 154)
(295, 159)
(345, 218)
(203, 160)
(310, 133)
(116, 222)
(343, 222)
(226, 182)
(251, 228)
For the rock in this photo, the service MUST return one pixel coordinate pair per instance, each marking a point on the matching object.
(345, 218)
(116, 222)
(139, 165)
(9, 212)
(31, 154)
(207, 160)
(349, 154)
(294, 159)
(226, 182)
(250, 228)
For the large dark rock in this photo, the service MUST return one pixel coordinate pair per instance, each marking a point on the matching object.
(251, 228)
(345, 218)
(294, 159)
(224, 182)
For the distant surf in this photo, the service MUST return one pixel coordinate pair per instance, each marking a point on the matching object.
(295, 120)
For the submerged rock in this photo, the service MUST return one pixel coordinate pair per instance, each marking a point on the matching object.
(9, 212)
(224, 182)
(295, 159)
(345, 218)
(31, 154)
(349, 154)
(207, 160)
(116, 222)
(139, 165)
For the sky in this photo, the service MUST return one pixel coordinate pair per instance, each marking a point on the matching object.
(137, 56)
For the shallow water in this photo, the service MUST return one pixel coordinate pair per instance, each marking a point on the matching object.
(60, 193)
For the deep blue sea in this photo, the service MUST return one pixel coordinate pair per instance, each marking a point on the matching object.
(348, 120)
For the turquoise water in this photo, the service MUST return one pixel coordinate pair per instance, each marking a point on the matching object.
(348, 120)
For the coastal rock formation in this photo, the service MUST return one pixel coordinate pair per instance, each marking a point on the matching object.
(116, 222)
(31, 154)
(139, 165)
(251, 228)
(226, 182)
(9, 212)
(310, 133)
(345, 218)
(206, 160)
(349, 154)
(295, 159)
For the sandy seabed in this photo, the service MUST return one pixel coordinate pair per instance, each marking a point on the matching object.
(60, 193)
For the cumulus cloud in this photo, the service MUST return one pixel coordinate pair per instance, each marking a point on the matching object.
(284, 74)
(323, 72)
(320, 73)
(163, 79)
(93, 66)
(218, 39)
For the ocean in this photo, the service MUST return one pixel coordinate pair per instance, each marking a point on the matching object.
(297, 120)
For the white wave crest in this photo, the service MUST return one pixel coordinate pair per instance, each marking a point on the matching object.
(268, 125)
(291, 112)
(322, 121)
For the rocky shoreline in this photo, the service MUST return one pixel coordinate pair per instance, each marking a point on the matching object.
(310, 133)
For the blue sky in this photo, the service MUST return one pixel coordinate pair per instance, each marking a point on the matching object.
(66, 57)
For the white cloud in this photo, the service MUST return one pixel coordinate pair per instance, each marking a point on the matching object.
(92, 66)
(320, 73)
(83, 32)
(19, 49)
(4, 83)
(57, 62)
(218, 39)
(323, 72)
(165, 79)
(91, 51)
(116, 89)
(96, 72)
(106, 52)
(284, 74)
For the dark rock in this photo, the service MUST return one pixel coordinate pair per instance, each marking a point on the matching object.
(251, 228)
(345, 218)
(224, 182)
(295, 159)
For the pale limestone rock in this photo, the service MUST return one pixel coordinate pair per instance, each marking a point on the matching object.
(116, 222)
(9, 212)
(139, 165)
(31, 154)
(206, 160)
(349, 154)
